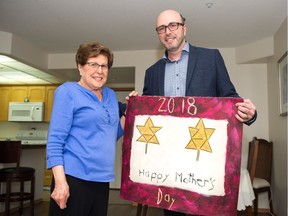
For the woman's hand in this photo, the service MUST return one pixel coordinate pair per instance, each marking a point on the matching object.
(61, 191)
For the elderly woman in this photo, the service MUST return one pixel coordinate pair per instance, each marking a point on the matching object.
(84, 128)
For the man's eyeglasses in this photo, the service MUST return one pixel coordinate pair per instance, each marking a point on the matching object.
(171, 26)
(95, 65)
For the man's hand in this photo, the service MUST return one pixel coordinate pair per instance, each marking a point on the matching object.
(246, 110)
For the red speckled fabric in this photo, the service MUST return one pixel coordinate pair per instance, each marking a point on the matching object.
(183, 200)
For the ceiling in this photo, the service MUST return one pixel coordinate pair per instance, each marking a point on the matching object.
(61, 26)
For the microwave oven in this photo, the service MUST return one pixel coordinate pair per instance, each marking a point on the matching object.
(26, 111)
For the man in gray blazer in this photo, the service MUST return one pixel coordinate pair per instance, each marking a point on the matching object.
(186, 70)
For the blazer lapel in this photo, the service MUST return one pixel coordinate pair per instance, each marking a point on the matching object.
(191, 65)
(161, 77)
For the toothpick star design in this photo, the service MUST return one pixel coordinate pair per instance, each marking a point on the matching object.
(199, 138)
(148, 133)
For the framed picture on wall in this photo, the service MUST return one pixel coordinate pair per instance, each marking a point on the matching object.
(282, 63)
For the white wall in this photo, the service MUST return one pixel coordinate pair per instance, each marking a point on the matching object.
(278, 125)
(250, 81)
(141, 60)
(22, 50)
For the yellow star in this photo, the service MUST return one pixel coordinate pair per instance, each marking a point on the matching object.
(148, 133)
(199, 138)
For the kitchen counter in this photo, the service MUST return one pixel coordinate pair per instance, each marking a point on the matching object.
(33, 146)
(28, 146)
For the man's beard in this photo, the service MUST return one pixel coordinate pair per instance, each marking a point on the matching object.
(174, 47)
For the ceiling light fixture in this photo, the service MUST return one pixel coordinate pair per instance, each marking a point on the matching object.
(209, 3)
(15, 72)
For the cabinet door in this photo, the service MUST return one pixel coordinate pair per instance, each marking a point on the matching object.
(18, 93)
(5, 95)
(49, 102)
(37, 93)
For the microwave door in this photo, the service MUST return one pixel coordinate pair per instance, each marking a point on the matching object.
(21, 114)
(34, 113)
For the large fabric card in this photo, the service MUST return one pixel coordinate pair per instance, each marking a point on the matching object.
(182, 154)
